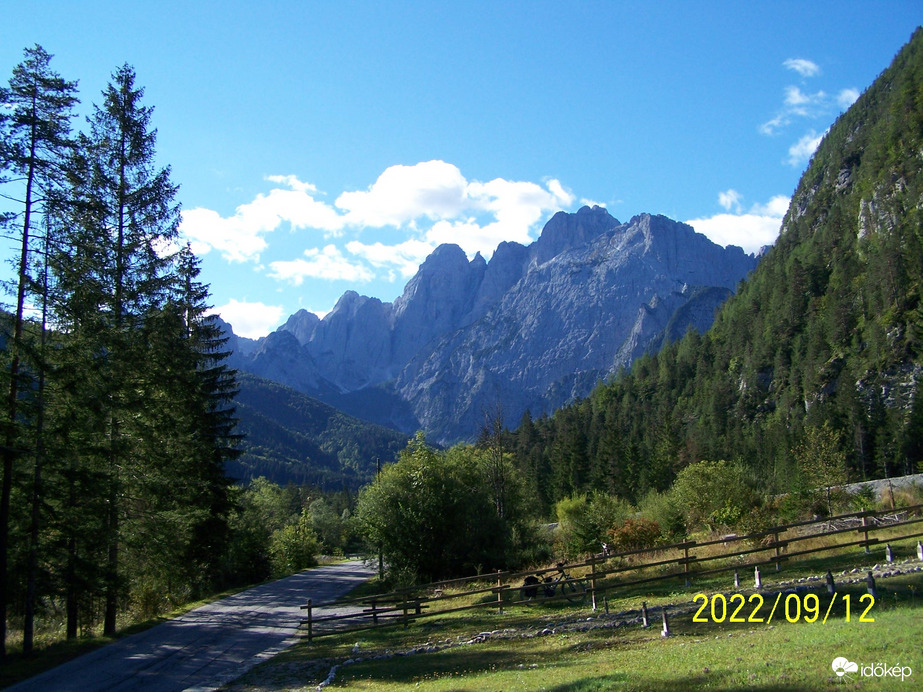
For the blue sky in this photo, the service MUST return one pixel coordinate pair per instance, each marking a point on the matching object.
(322, 147)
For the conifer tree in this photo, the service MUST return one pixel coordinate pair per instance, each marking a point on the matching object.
(35, 149)
(114, 271)
(190, 406)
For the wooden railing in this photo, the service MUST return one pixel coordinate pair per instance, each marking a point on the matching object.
(604, 573)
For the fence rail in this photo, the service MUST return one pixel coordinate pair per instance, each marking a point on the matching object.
(602, 574)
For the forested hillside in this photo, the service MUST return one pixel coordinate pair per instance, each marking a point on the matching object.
(824, 341)
(289, 437)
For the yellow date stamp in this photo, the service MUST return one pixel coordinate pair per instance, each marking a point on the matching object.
(794, 607)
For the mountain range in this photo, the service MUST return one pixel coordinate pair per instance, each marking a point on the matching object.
(534, 328)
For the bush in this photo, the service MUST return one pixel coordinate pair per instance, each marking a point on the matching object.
(759, 519)
(293, 547)
(713, 493)
(862, 498)
(666, 513)
(634, 534)
(584, 522)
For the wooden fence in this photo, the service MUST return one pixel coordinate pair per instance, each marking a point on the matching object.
(604, 573)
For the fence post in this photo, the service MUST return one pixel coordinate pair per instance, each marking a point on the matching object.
(310, 634)
(593, 582)
(866, 532)
(499, 592)
(870, 583)
(374, 613)
(775, 537)
(686, 564)
(406, 620)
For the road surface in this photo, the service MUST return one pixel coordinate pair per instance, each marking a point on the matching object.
(209, 646)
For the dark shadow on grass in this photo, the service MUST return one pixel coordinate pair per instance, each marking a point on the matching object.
(711, 681)
(461, 661)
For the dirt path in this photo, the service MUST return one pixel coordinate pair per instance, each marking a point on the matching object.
(209, 646)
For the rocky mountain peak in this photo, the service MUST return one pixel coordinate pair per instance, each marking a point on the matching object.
(302, 325)
(566, 231)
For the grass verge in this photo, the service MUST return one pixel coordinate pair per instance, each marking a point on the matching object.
(574, 649)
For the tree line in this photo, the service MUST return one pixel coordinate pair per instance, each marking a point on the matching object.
(117, 417)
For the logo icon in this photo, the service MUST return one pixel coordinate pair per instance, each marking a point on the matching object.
(842, 665)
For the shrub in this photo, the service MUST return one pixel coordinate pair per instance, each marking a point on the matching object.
(713, 492)
(433, 516)
(584, 522)
(664, 511)
(293, 547)
(634, 534)
(862, 498)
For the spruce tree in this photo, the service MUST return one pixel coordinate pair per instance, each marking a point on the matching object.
(114, 271)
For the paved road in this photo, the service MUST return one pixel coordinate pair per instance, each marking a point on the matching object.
(209, 646)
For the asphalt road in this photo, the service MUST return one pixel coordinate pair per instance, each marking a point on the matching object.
(209, 646)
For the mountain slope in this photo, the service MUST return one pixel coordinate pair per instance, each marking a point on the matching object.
(827, 330)
(530, 330)
(570, 322)
(291, 438)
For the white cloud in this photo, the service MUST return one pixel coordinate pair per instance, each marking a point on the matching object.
(292, 182)
(439, 205)
(776, 207)
(730, 199)
(795, 97)
(251, 320)
(428, 203)
(846, 98)
(771, 127)
(800, 104)
(236, 239)
(516, 206)
(240, 238)
(431, 189)
(802, 150)
(805, 105)
(400, 261)
(327, 263)
(751, 230)
(805, 68)
(797, 104)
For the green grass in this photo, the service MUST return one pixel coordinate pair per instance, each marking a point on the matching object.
(707, 655)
